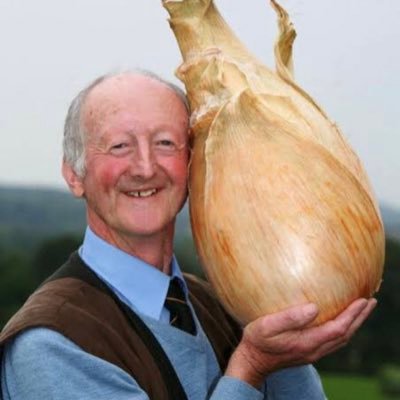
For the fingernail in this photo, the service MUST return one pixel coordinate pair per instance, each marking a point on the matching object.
(310, 310)
(365, 303)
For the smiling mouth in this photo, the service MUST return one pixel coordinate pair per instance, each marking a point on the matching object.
(143, 193)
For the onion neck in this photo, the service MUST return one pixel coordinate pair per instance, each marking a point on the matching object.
(213, 58)
(198, 27)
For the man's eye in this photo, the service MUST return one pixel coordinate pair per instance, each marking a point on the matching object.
(166, 143)
(119, 146)
(119, 149)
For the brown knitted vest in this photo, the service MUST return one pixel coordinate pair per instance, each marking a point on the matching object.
(77, 304)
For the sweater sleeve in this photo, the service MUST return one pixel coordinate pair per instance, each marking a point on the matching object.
(234, 389)
(300, 383)
(42, 364)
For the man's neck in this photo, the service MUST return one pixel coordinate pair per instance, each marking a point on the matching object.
(155, 250)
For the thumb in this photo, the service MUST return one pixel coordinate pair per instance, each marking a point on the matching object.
(290, 319)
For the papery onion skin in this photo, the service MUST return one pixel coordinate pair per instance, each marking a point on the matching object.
(281, 209)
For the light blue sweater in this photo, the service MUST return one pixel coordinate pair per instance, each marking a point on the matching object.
(41, 364)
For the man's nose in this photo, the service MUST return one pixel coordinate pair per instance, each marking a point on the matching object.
(144, 162)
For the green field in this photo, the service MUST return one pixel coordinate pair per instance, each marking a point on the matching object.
(339, 387)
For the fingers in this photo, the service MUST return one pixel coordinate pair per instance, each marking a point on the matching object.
(359, 320)
(283, 339)
(335, 334)
(365, 313)
(352, 317)
(339, 326)
(351, 313)
(294, 321)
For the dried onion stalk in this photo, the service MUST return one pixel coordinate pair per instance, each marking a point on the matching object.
(281, 209)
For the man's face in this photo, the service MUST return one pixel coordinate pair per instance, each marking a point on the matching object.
(136, 157)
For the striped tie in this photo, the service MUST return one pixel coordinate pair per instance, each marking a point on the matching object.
(180, 314)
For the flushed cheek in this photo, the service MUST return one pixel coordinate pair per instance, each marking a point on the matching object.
(108, 174)
(178, 170)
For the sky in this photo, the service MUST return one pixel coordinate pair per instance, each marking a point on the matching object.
(346, 56)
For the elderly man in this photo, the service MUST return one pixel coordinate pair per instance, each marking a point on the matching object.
(118, 321)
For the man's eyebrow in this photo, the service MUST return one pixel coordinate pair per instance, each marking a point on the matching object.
(107, 135)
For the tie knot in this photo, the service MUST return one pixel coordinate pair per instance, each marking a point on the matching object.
(180, 313)
(175, 291)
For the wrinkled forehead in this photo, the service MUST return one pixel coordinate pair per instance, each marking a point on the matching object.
(133, 92)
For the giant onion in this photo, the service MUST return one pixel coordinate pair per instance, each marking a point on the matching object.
(281, 208)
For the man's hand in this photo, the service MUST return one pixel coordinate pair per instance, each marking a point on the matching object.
(283, 339)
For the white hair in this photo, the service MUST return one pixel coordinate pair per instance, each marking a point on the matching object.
(74, 133)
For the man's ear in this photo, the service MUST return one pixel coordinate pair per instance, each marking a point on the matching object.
(74, 181)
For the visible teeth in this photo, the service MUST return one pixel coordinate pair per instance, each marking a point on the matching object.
(143, 193)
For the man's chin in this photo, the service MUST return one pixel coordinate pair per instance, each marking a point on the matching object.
(154, 230)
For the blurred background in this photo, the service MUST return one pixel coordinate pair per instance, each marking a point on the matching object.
(346, 56)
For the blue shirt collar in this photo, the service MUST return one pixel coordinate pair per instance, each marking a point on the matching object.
(140, 285)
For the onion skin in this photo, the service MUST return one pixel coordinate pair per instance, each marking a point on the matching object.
(281, 209)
